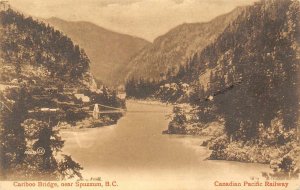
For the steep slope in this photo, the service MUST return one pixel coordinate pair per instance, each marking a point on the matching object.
(174, 48)
(257, 57)
(252, 67)
(45, 83)
(248, 82)
(30, 48)
(109, 51)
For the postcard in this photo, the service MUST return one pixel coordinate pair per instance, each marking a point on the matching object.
(149, 94)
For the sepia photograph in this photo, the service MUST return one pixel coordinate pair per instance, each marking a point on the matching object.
(149, 95)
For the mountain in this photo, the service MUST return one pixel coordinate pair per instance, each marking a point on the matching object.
(109, 51)
(250, 73)
(242, 89)
(45, 85)
(247, 81)
(33, 51)
(173, 49)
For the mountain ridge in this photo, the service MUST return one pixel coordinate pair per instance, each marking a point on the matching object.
(108, 50)
(45, 85)
(247, 82)
(91, 23)
(242, 90)
(169, 51)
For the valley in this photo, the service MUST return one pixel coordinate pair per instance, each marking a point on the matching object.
(80, 101)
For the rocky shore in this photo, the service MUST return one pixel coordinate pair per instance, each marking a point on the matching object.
(276, 147)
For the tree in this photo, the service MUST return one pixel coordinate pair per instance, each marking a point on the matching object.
(68, 168)
(13, 143)
(41, 135)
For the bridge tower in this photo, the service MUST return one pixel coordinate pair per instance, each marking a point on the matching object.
(96, 111)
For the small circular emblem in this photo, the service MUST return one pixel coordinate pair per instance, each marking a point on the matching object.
(40, 151)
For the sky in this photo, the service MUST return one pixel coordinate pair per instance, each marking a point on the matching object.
(147, 19)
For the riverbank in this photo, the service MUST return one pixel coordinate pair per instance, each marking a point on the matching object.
(148, 101)
(284, 160)
(104, 121)
(276, 146)
(134, 152)
(88, 123)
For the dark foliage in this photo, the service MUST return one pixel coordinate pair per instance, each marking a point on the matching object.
(26, 41)
(141, 88)
(253, 69)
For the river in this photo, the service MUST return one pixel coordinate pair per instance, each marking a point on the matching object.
(136, 154)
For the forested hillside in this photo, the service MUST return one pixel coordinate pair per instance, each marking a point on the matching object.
(252, 69)
(109, 51)
(45, 83)
(244, 89)
(248, 81)
(168, 52)
(28, 42)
